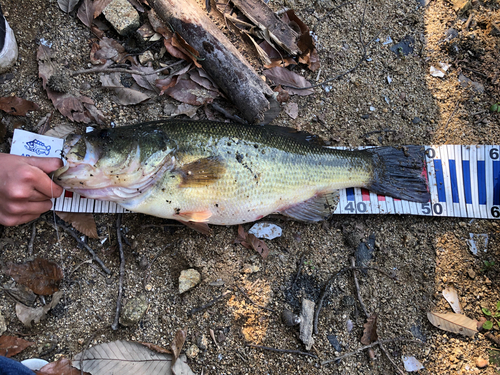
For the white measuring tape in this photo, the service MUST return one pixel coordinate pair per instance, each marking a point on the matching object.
(464, 181)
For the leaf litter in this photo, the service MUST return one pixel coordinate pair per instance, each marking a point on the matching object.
(28, 315)
(82, 222)
(11, 345)
(451, 322)
(42, 276)
(15, 106)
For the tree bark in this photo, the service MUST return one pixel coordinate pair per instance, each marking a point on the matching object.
(220, 59)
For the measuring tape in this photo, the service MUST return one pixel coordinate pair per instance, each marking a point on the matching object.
(464, 181)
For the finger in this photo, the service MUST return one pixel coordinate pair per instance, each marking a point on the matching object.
(29, 208)
(47, 187)
(45, 164)
(10, 221)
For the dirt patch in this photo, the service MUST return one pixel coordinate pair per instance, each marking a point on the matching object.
(390, 99)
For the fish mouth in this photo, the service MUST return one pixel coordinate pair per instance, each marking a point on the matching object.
(83, 174)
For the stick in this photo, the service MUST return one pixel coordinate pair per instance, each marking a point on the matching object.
(84, 245)
(114, 326)
(282, 350)
(358, 292)
(122, 70)
(384, 349)
(220, 59)
(370, 346)
(211, 303)
(32, 239)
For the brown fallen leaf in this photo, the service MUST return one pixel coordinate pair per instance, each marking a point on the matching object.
(285, 77)
(42, 276)
(123, 95)
(82, 222)
(61, 367)
(17, 106)
(74, 106)
(370, 331)
(156, 348)
(86, 12)
(178, 343)
(187, 91)
(451, 322)
(451, 295)
(28, 315)
(11, 345)
(249, 241)
(20, 293)
(192, 54)
(283, 95)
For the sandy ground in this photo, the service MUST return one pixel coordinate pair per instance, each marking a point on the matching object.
(427, 254)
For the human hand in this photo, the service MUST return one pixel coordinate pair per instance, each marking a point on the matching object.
(25, 188)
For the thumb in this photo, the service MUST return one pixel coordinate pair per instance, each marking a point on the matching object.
(45, 164)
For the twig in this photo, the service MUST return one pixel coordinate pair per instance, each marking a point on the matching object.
(122, 70)
(32, 239)
(81, 264)
(358, 292)
(384, 349)
(452, 114)
(114, 326)
(218, 108)
(299, 269)
(211, 303)
(252, 302)
(332, 10)
(282, 350)
(370, 346)
(492, 337)
(84, 245)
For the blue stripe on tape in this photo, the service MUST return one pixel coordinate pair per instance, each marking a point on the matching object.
(454, 183)
(468, 192)
(496, 183)
(440, 180)
(481, 181)
(350, 194)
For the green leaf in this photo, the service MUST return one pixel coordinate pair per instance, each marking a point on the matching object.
(496, 315)
(494, 107)
(488, 325)
(486, 311)
(498, 306)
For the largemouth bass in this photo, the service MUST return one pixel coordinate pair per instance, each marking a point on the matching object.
(222, 173)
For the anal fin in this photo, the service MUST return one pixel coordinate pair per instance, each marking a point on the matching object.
(317, 208)
(202, 228)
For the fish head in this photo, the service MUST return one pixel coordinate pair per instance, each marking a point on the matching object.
(115, 164)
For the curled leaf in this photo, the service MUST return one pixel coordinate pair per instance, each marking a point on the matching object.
(452, 322)
(370, 332)
(249, 241)
(451, 295)
(178, 343)
(285, 77)
(42, 276)
(28, 315)
(82, 222)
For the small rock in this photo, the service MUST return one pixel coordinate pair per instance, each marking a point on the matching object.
(188, 279)
(416, 120)
(481, 362)
(81, 341)
(146, 57)
(3, 324)
(404, 47)
(365, 116)
(265, 230)
(467, 82)
(192, 351)
(471, 273)
(364, 253)
(289, 318)
(122, 15)
(202, 342)
(133, 311)
(417, 333)
(349, 325)
(249, 268)
(332, 339)
(487, 281)
(461, 6)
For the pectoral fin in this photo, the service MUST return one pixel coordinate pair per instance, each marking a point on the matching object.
(316, 208)
(201, 172)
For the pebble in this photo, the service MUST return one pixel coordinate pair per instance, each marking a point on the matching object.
(471, 273)
(133, 311)
(81, 341)
(416, 120)
(122, 15)
(487, 281)
(289, 318)
(146, 57)
(248, 268)
(188, 279)
(202, 342)
(481, 362)
(3, 324)
(192, 351)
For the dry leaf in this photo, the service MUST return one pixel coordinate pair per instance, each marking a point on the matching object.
(249, 241)
(283, 95)
(61, 131)
(61, 367)
(129, 358)
(67, 5)
(76, 107)
(285, 77)
(187, 91)
(86, 12)
(11, 345)
(17, 106)
(124, 95)
(99, 6)
(107, 49)
(292, 110)
(82, 222)
(178, 42)
(42, 276)
(451, 295)
(178, 343)
(27, 315)
(370, 331)
(452, 322)
(156, 348)
(20, 293)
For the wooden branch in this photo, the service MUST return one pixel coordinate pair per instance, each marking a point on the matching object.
(220, 59)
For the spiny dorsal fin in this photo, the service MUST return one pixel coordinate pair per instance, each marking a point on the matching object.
(317, 208)
(201, 172)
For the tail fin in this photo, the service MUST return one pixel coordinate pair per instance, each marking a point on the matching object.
(398, 173)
